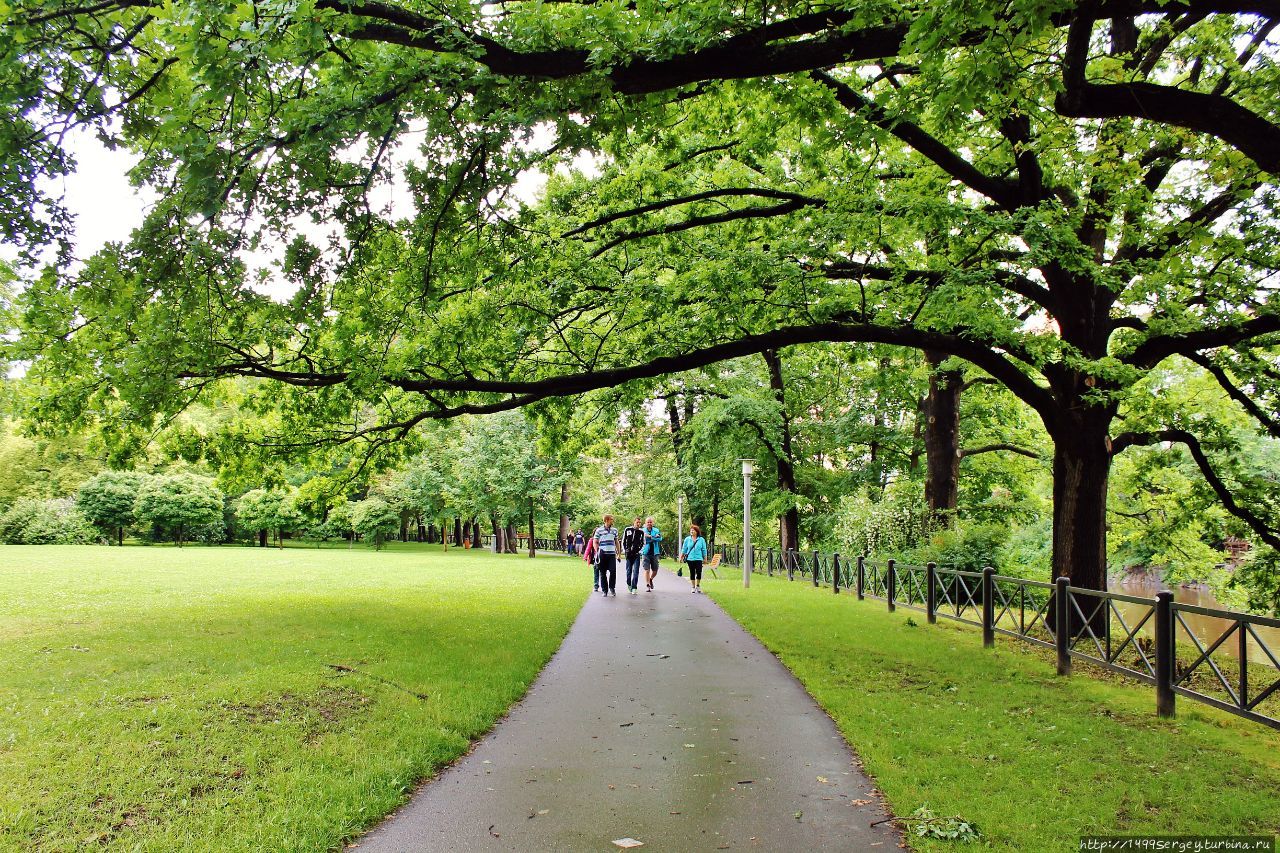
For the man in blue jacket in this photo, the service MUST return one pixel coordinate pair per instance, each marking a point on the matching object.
(650, 551)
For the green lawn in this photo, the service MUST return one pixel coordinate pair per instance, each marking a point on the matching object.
(166, 699)
(996, 737)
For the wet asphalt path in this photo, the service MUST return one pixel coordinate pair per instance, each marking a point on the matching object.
(659, 719)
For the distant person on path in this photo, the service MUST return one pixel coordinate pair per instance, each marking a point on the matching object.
(606, 541)
(632, 542)
(589, 555)
(650, 551)
(578, 543)
(694, 550)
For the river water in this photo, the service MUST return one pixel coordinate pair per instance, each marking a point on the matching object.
(1206, 628)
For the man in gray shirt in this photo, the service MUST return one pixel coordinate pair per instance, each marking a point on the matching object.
(606, 537)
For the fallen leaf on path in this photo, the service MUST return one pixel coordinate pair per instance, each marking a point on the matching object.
(491, 832)
(624, 725)
(544, 811)
(627, 843)
(860, 802)
(823, 780)
(690, 745)
(798, 815)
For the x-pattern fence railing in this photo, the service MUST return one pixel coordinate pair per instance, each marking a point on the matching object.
(1146, 639)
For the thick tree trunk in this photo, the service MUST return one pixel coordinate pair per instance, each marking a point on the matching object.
(404, 528)
(533, 551)
(457, 531)
(120, 536)
(512, 539)
(497, 534)
(942, 440)
(1081, 467)
(421, 529)
(673, 416)
(715, 518)
(564, 505)
(262, 538)
(917, 432)
(789, 522)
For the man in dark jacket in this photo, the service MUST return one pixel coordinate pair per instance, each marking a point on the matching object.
(632, 542)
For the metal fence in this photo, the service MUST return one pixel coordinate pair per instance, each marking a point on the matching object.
(1146, 639)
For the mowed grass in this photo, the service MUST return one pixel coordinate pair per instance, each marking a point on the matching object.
(184, 699)
(996, 737)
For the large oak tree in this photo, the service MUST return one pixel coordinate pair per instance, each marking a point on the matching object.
(1064, 194)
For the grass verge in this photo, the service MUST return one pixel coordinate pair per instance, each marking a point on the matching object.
(165, 699)
(996, 737)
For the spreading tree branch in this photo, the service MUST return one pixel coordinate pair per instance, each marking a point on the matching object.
(1180, 436)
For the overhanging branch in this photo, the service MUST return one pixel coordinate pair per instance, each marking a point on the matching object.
(1180, 436)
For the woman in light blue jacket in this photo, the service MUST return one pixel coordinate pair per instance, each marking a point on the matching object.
(694, 549)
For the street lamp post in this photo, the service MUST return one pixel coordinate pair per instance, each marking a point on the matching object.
(748, 466)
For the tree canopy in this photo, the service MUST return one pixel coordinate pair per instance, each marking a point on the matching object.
(1065, 195)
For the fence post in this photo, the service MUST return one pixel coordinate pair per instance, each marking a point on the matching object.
(862, 575)
(1062, 625)
(890, 584)
(988, 608)
(1165, 653)
(790, 556)
(835, 573)
(769, 561)
(931, 595)
(816, 580)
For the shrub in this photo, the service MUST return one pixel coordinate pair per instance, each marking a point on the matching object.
(894, 524)
(969, 549)
(47, 522)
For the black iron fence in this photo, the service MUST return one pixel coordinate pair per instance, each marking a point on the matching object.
(1146, 639)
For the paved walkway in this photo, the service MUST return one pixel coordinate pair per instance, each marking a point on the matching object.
(659, 719)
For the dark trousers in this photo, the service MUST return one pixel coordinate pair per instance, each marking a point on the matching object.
(633, 571)
(608, 570)
(595, 574)
(695, 570)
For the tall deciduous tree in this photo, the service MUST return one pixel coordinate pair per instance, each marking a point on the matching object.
(1100, 176)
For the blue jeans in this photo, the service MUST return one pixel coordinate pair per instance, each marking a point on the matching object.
(633, 571)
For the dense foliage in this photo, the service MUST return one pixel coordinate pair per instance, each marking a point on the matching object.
(1047, 208)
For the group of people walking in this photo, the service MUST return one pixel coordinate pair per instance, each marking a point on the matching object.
(640, 545)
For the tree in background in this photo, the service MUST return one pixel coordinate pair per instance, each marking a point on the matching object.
(177, 505)
(268, 511)
(375, 519)
(109, 500)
